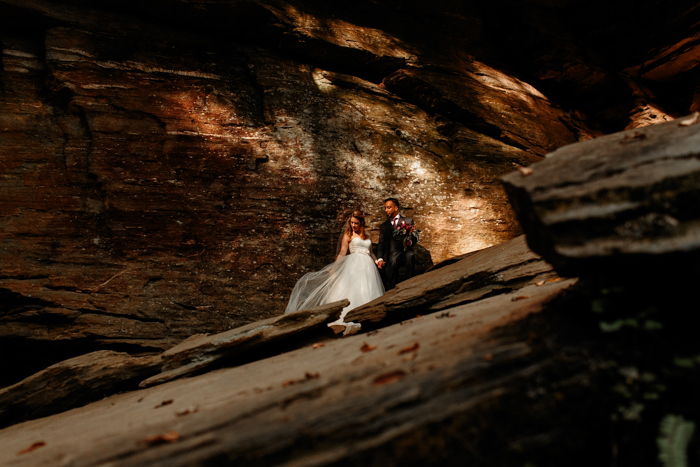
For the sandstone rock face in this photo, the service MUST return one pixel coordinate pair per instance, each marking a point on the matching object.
(157, 186)
(622, 204)
(172, 168)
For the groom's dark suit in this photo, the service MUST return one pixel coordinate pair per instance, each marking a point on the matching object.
(391, 251)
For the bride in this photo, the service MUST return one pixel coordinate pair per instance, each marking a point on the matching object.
(353, 276)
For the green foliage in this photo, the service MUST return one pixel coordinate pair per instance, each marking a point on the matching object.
(632, 412)
(597, 306)
(674, 435)
(686, 362)
(649, 325)
(617, 325)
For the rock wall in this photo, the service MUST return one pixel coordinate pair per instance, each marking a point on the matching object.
(170, 168)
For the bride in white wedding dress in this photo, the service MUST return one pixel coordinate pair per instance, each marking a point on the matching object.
(353, 276)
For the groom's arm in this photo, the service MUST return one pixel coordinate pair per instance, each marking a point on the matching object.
(381, 246)
(412, 241)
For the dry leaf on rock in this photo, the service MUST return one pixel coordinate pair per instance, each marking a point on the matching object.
(415, 346)
(367, 348)
(34, 446)
(318, 345)
(388, 378)
(186, 411)
(524, 170)
(539, 283)
(307, 377)
(164, 403)
(446, 314)
(169, 437)
(519, 297)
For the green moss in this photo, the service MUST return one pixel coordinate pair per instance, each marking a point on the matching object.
(674, 435)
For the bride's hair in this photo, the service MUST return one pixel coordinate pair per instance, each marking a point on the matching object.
(360, 217)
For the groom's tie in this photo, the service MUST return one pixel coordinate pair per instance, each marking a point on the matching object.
(394, 221)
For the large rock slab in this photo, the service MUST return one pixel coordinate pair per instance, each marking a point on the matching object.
(200, 352)
(492, 271)
(625, 203)
(428, 378)
(159, 184)
(73, 383)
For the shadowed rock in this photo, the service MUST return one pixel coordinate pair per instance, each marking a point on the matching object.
(625, 203)
(73, 383)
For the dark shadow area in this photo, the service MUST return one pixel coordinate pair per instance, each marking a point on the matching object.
(24, 358)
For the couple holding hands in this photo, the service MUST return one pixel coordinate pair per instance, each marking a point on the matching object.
(355, 273)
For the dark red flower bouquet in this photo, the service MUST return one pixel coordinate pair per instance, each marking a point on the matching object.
(406, 232)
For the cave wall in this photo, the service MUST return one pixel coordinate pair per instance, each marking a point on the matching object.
(173, 168)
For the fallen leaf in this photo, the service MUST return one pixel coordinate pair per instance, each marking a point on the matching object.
(637, 136)
(169, 437)
(307, 377)
(367, 348)
(692, 120)
(555, 279)
(415, 346)
(524, 170)
(445, 315)
(186, 411)
(539, 283)
(34, 446)
(388, 378)
(418, 316)
(164, 403)
(318, 346)
(519, 297)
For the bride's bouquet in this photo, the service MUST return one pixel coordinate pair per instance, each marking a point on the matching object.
(406, 232)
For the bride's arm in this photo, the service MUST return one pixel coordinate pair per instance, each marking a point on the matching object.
(371, 253)
(344, 248)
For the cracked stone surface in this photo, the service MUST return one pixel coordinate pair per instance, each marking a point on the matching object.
(625, 203)
(312, 406)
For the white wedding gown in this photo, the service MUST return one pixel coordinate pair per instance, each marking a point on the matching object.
(354, 276)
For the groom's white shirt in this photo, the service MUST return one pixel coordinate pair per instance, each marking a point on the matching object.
(394, 223)
(395, 220)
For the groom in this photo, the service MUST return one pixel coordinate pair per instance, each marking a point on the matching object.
(391, 249)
